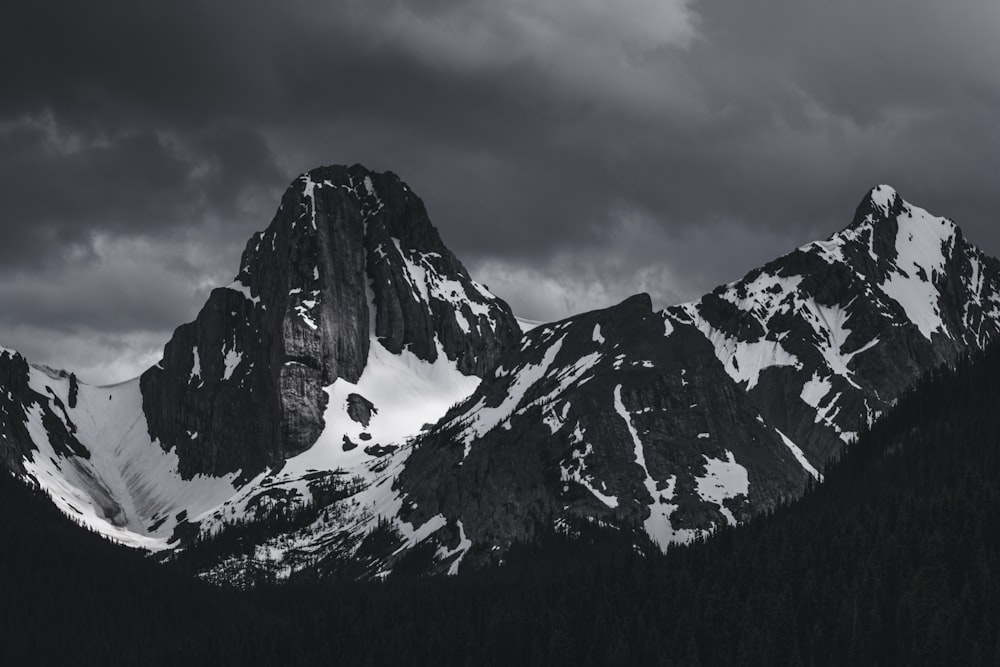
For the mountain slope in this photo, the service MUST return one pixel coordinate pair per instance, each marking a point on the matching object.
(615, 417)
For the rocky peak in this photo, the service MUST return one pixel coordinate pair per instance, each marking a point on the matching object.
(828, 335)
(351, 259)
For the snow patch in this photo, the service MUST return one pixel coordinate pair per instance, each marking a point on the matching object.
(195, 365)
(129, 489)
(923, 244)
(657, 525)
(231, 360)
(407, 393)
(723, 480)
(797, 453)
(575, 471)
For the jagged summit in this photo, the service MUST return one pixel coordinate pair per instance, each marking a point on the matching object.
(881, 222)
(839, 326)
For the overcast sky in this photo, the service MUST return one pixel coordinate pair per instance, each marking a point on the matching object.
(571, 152)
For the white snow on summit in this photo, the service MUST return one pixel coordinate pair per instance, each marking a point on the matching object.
(923, 243)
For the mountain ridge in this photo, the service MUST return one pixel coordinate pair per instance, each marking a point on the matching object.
(354, 375)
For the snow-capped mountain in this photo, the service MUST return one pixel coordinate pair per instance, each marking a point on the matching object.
(361, 397)
(350, 269)
(827, 336)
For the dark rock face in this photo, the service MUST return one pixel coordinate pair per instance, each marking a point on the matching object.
(613, 416)
(15, 441)
(16, 399)
(350, 254)
(360, 409)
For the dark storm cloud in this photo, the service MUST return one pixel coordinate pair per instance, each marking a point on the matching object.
(60, 186)
(586, 147)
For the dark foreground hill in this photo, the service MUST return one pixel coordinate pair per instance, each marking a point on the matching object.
(892, 560)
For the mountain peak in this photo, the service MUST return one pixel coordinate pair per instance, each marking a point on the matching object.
(883, 198)
(350, 265)
(884, 211)
(641, 301)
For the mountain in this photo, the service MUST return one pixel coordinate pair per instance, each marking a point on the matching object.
(354, 403)
(349, 326)
(890, 561)
(349, 263)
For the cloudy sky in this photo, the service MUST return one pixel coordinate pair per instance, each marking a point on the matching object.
(572, 152)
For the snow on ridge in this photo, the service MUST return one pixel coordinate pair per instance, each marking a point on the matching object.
(744, 360)
(528, 325)
(923, 244)
(481, 418)
(428, 284)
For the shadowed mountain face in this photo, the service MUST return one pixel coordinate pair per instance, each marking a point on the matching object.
(363, 404)
(615, 416)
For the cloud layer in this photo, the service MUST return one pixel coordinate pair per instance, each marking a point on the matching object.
(589, 149)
